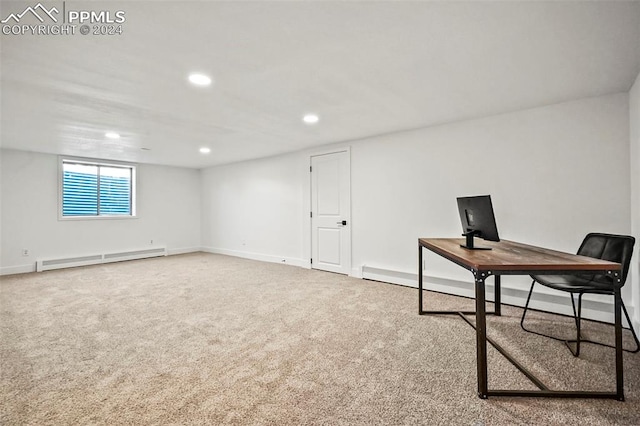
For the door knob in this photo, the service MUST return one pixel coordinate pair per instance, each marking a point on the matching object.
(342, 222)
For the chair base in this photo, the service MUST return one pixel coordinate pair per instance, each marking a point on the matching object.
(577, 318)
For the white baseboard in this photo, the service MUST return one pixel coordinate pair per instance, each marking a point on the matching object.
(184, 250)
(356, 273)
(598, 308)
(22, 269)
(258, 256)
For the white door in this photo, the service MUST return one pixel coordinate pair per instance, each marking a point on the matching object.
(331, 212)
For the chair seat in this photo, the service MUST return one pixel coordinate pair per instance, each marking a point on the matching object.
(599, 284)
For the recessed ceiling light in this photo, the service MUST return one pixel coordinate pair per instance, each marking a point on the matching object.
(310, 118)
(199, 79)
(112, 135)
(205, 150)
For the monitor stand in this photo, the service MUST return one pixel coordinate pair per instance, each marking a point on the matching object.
(469, 242)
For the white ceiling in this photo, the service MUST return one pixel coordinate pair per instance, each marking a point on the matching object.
(366, 68)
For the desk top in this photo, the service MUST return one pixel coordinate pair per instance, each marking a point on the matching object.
(512, 256)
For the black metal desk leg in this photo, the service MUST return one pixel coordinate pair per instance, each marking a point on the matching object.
(481, 334)
(618, 335)
(419, 279)
(497, 299)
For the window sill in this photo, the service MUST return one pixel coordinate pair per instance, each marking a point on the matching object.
(105, 217)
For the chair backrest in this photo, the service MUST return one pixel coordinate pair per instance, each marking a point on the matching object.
(611, 247)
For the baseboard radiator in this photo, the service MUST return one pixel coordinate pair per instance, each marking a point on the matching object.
(94, 259)
(596, 307)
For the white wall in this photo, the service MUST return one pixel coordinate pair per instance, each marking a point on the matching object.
(555, 173)
(255, 208)
(634, 120)
(168, 208)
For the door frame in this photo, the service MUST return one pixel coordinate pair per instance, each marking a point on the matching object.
(309, 234)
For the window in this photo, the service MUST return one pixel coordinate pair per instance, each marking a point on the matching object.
(96, 189)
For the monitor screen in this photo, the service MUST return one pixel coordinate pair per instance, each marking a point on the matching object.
(477, 218)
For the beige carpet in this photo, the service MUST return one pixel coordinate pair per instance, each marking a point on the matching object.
(208, 339)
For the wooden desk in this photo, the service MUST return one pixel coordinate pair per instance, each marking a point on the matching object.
(511, 258)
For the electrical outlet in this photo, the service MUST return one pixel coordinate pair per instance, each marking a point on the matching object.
(25, 252)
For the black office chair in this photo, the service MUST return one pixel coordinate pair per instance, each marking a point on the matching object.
(614, 248)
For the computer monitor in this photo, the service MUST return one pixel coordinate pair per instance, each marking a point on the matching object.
(478, 220)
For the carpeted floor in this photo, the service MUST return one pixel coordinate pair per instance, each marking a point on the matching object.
(209, 339)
